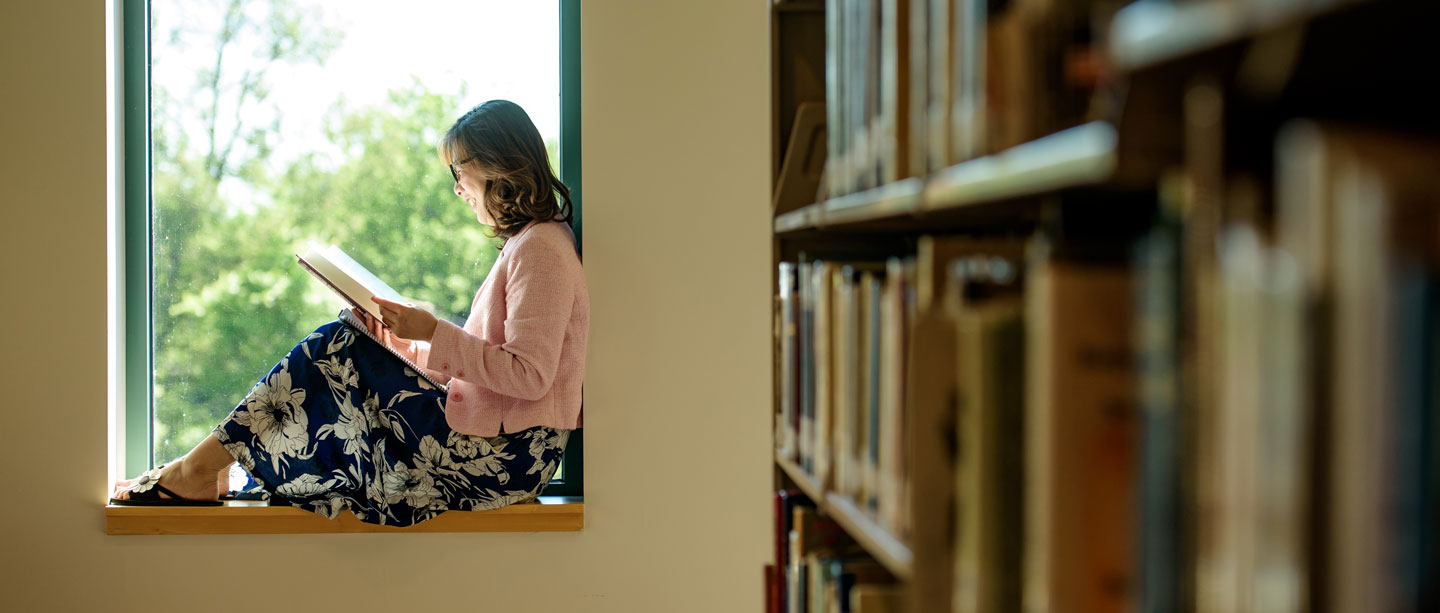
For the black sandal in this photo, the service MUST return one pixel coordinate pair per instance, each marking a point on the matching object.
(146, 492)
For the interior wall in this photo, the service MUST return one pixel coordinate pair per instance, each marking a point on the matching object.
(675, 112)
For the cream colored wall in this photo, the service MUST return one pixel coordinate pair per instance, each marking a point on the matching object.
(677, 250)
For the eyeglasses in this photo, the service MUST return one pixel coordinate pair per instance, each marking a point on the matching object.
(455, 173)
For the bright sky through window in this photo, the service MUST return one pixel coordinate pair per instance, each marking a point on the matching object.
(473, 50)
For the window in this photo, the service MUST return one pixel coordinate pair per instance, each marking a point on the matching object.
(252, 128)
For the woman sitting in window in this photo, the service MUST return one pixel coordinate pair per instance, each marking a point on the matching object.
(341, 423)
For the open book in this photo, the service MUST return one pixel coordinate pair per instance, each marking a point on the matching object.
(357, 286)
(347, 277)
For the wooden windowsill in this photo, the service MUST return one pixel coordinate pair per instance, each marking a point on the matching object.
(548, 514)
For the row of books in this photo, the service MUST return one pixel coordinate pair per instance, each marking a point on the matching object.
(822, 570)
(1312, 403)
(951, 406)
(1234, 411)
(913, 86)
(842, 347)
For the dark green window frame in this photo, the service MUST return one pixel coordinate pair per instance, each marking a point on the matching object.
(138, 408)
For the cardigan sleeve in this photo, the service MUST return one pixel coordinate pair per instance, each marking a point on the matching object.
(422, 359)
(539, 297)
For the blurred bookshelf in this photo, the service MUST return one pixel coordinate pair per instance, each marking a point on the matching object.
(1153, 32)
(1105, 305)
(1076, 157)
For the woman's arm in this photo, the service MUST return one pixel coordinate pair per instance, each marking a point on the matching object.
(539, 298)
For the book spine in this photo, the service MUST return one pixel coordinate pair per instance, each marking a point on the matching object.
(834, 118)
(941, 56)
(844, 348)
(789, 363)
(1079, 413)
(918, 73)
(1157, 344)
(869, 495)
(968, 97)
(806, 427)
(825, 372)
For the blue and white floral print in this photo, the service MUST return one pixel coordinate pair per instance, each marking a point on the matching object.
(340, 423)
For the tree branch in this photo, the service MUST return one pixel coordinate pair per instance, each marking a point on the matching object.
(228, 32)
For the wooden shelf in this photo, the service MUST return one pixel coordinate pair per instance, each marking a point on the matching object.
(1081, 156)
(1153, 32)
(1077, 157)
(807, 483)
(548, 514)
(887, 549)
(893, 554)
(894, 199)
(798, 219)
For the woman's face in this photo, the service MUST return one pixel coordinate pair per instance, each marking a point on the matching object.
(470, 187)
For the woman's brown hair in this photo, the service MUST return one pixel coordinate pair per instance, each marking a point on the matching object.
(498, 138)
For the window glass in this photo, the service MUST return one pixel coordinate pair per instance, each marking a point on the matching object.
(276, 123)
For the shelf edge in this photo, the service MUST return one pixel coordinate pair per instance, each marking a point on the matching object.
(890, 551)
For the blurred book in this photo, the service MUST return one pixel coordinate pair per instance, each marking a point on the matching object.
(1080, 429)
(984, 300)
(1367, 240)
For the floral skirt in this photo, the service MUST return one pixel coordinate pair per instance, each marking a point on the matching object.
(341, 423)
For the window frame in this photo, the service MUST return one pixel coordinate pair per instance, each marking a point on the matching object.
(137, 407)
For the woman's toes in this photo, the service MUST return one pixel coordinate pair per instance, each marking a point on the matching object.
(122, 490)
(125, 483)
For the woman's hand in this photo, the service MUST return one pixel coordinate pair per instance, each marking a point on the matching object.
(384, 335)
(371, 324)
(406, 321)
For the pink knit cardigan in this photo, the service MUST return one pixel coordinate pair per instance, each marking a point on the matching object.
(519, 360)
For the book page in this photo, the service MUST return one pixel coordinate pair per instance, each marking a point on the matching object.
(346, 277)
